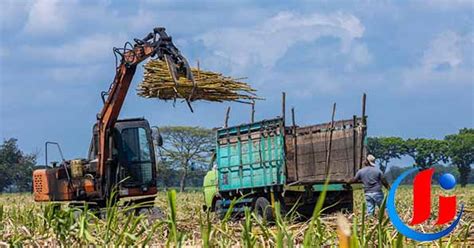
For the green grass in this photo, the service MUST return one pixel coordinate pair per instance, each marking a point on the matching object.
(24, 222)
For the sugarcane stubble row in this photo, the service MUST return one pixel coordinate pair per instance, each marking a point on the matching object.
(209, 86)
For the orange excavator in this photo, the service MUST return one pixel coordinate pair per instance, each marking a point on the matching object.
(121, 161)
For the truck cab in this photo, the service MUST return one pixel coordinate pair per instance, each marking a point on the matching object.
(210, 190)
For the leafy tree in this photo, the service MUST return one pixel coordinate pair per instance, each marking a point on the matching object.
(395, 171)
(461, 152)
(386, 148)
(16, 167)
(186, 149)
(166, 175)
(426, 152)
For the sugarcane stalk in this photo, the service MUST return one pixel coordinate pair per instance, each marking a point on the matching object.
(210, 86)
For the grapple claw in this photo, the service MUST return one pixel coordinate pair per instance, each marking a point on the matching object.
(182, 69)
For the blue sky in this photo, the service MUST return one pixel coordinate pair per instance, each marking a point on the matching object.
(413, 59)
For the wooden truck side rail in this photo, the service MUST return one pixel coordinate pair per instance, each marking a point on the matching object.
(311, 148)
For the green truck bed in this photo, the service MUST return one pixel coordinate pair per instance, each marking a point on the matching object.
(251, 155)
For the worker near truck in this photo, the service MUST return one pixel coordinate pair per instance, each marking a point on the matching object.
(373, 179)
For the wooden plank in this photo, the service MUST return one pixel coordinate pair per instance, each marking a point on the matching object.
(291, 175)
(324, 127)
(311, 154)
(312, 148)
(295, 143)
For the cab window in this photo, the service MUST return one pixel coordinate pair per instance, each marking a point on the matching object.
(135, 145)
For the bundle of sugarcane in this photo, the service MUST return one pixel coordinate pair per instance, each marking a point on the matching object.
(208, 86)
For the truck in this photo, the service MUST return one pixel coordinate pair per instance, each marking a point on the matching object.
(260, 163)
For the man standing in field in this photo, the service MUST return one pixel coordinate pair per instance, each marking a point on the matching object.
(373, 179)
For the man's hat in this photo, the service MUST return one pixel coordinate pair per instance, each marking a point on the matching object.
(371, 159)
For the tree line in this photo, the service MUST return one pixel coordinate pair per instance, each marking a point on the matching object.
(456, 150)
(185, 157)
(16, 167)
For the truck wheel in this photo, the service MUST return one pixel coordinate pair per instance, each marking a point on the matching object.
(347, 203)
(219, 209)
(263, 209)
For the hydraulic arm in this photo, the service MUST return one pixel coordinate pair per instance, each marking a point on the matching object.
(121, 150)
(156, 44)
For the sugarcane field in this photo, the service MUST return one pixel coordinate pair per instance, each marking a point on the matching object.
(236, 123)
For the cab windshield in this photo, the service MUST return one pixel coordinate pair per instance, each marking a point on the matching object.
(136, 153)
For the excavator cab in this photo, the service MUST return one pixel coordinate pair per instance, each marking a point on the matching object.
(130, 172)
(133, 164)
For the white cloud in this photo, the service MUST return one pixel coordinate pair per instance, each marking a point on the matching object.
(46, 16)
(3, 53)
(359, 55)
(13, 14)
(267, 42)
(323, 67)
(88, 50)
(419, 77)
(306, 85)
(79, 75)
(445, 49)
(447, 4)
(446, 60)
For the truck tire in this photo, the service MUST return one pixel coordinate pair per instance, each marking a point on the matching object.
(219, 209)
(347, 204)
(263, 209)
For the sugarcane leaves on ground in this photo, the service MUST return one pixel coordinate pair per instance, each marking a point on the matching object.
(209, 86)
